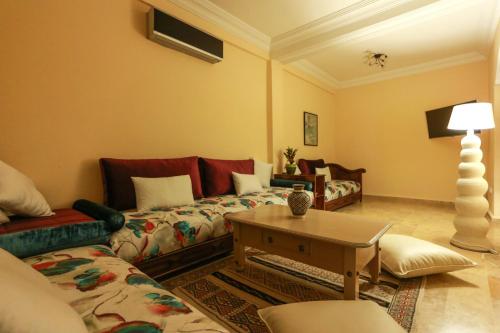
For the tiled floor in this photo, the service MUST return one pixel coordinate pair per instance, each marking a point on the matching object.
(458, 302)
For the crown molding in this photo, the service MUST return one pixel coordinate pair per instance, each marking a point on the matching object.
(322, 76)
(360, 21)
(461, 59)
(218, 16)
(400, 14)
(351, 14)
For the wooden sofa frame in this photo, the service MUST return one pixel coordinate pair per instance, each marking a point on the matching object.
(164, 266)
(338, 172)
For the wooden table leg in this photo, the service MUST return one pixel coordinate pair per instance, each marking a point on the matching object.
(374, 265)
(351, 274)
(239, 248)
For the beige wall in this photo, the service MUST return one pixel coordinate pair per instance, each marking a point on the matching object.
(295, 96)
(80, 80)
(382, 127)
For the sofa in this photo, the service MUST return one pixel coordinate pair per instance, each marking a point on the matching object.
(164, 241)
(345, 188)
(104, 292)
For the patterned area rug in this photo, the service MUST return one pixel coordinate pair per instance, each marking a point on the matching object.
(232, 298)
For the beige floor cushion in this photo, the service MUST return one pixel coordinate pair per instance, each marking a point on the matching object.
(406, 257)
(329, 317)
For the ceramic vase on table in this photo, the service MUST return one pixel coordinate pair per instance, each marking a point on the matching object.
(299, 201)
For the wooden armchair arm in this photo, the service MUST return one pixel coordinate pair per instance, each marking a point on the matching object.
(339, 172)
(318, 183)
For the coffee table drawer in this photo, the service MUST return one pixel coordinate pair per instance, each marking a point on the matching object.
(286, 242)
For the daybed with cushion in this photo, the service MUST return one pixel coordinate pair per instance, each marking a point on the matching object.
(345, 186)
(162, 240)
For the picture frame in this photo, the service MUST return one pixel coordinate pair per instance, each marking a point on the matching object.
(310, 129)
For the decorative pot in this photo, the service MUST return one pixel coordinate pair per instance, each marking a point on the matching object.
(290, 169)
(299, 201)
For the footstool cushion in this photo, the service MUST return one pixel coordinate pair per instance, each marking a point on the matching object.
(329, 317)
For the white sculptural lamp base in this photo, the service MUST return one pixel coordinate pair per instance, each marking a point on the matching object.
(471, 205)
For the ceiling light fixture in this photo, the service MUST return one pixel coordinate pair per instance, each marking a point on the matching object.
(375, 59)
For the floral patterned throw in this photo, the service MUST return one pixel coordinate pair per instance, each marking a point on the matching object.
(115, 297)
(151, 233)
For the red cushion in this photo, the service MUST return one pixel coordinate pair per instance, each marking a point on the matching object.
(61, 217)
(217, 174)
(308, 167)
(119, 192)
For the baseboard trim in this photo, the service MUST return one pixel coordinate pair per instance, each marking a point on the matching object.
(409, 200)
(494, 218)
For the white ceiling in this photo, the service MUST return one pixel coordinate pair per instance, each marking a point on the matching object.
(275, 17)
(328, 38)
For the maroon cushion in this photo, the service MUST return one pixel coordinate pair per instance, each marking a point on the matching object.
(308, 167)
(119, 192)
(60, 217)
(217, 174)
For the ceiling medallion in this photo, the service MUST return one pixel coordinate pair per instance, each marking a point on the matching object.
(375, 59)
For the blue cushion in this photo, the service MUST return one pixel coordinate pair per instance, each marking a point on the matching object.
(32, 242)
(68, 228)
(308, 186)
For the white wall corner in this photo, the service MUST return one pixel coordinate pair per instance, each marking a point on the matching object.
(308, 68)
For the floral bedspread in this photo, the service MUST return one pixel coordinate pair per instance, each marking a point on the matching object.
(340, 188)
(113, 296)
(160, 231)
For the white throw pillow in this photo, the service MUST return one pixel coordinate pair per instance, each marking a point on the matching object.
(3, 217)
(163, 192)
(27, 308)
(19, 195)
(407, 257)
(264, 171)
(245, 184)
(324, 171)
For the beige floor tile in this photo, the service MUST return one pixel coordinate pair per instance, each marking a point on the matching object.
(459, 302)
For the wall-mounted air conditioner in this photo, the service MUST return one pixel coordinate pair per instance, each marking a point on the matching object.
(171, 32)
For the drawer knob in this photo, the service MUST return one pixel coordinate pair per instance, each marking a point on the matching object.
(269, 239)
(301, 248)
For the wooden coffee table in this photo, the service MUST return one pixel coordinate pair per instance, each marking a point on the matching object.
(338, 242)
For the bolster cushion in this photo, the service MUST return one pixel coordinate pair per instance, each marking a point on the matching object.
(308, 186)
(114, 219)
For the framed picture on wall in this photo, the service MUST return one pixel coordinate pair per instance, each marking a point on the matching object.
(310, 129)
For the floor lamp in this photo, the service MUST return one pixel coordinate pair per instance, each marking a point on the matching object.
(471, 205)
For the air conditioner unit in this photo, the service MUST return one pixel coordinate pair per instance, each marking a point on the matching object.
(173, 33)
